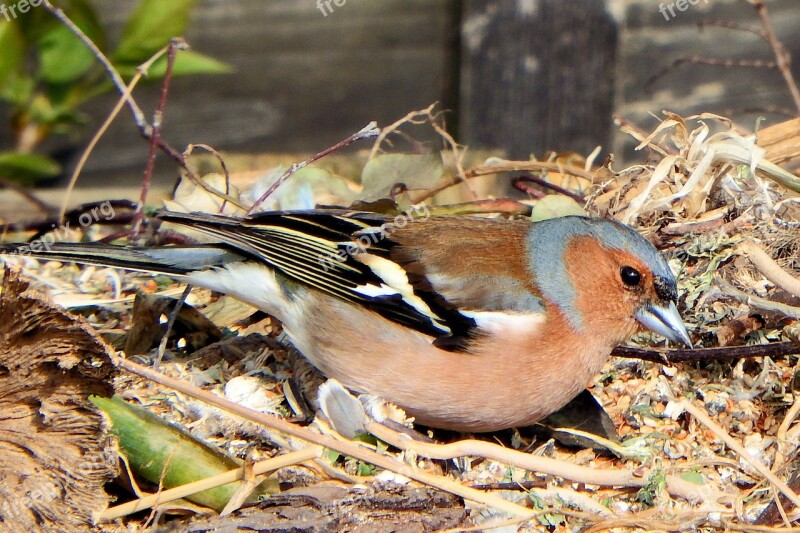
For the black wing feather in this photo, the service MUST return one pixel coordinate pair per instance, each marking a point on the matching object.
(319, 249)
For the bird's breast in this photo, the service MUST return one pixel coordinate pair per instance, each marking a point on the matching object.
(510, 377)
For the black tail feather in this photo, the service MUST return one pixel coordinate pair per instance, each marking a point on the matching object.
(174, 260)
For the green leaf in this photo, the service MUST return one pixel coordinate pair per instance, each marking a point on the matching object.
(18, 90)
(13, 45)
(693, 477)
(555, 205)
(150, 28)
(36, 23)
(162, 453)
(186, 62)
(189, 62)
(331, 456)
(43, 110)
(63, 58)
(655, 485)
(365, 469)
(27, 168)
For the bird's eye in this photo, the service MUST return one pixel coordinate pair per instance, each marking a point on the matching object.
(630, 276)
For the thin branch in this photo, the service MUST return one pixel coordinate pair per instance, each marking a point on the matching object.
(370, 130)
(713, 61)
(213, 151)
(726, 353)
(730, 25)
(756, 301)
(73, 180)
(261, 467)
(781, 54)
(458, 154)
(342, 446)
(734, 445)
(40, 204)
(413, 118)
(547, 185)
(158, 117)
(116, 79)
(507, 166)
(769, 268)
(534, 463)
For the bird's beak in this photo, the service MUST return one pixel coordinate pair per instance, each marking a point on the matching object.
(665, 321)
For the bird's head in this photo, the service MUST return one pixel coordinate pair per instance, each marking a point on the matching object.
(605, 278)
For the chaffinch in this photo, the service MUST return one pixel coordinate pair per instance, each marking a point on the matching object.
(470, 324)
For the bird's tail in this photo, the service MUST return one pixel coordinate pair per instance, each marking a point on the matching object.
(173, 260)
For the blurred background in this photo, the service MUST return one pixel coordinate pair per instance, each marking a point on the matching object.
(522, 77)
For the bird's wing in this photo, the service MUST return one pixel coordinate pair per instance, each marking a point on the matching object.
(400, 267)
(479, 265)
(345, 254)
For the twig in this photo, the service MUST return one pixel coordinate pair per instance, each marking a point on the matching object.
(531, 166)
(757, 301)
(162, 346)
(734, 445)
(783, 429)
(262, 467)
(458, 154)
(421, 117)
(781, 54)
(145, 129)
(505, 206)
(729, 25)
(713, 61)
(344, 447)
(542, 465)
(40, 204)
(158, 117)
(547, 185)
(717, 223)
(726, 353)
(116, 79)
(524, 188)
(413, 117)
(210, 149)
(73, 180)
(370, 130)
(771, 270)
(224, 196)
(507, 166)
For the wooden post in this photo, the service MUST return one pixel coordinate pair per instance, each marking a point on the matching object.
(537, 75)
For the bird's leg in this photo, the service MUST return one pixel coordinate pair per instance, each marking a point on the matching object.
(306, 379)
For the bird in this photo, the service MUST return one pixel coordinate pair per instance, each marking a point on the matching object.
(469, 324)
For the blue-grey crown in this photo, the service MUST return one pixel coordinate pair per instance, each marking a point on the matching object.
(547, 243)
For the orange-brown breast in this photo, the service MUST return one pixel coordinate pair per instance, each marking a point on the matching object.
(503, 382)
